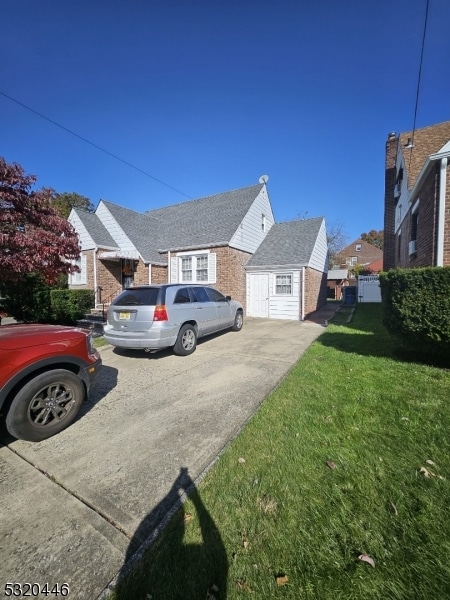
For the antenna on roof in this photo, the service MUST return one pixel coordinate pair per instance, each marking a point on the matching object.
(264, 179)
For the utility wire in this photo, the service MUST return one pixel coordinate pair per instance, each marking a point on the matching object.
(418, 81)
(80, 137)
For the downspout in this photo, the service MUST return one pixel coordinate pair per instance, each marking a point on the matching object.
(149, 273)
(95, 276)
(302, 308)
(441, 214)
(169, 274)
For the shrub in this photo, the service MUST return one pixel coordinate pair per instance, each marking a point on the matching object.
(27, 299)
(70, 305)
(416, 306)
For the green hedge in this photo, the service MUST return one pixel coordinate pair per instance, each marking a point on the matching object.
(416, 306)
(70, 305)
(27, 299)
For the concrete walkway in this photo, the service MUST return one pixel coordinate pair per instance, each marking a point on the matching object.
(76, 505)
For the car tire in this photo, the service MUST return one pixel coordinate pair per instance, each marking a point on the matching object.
(186, 341)
(45, 405)
(238, 321)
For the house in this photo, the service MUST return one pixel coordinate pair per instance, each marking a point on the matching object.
(209, 240)
(359, 253)
(336, 280)
(287, 275)
(417, 198)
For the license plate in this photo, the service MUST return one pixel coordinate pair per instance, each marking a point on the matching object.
(124, 316)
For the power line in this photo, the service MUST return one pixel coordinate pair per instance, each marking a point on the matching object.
(80, 137)
(420, 72)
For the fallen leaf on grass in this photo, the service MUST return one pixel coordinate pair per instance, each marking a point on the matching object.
(188, 517)
(429, 462)
(394, 508)
(241, 460)
(331, 464)
(369, 560)
(426, 472)
(243, 586)
(282, 579)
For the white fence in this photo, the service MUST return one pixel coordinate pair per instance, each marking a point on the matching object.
(369, 288)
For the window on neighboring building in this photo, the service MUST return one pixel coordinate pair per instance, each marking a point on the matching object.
(351, 260)
(283, 284)
(358, 247)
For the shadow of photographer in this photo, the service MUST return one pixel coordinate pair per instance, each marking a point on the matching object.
(175, 569)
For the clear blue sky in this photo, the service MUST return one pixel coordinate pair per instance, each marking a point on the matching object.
(206, 96)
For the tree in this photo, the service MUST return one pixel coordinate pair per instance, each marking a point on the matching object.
(337, 240)
(34, 238)
(374, 237)
(63, 203)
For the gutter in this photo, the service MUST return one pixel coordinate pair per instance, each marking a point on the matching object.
(441, 213)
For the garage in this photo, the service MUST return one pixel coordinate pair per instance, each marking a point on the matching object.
(286, 278)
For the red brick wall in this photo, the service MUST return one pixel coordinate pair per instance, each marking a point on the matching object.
(230, 273)
(315, 290)
(141, 273)
(389, 249)
(159, 274)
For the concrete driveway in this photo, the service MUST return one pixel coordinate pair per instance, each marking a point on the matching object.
(74, 507)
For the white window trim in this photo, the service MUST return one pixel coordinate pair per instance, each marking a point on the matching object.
(81, 277)
(275, 293)
(211, 273)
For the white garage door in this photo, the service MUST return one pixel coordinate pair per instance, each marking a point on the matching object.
(258, 295)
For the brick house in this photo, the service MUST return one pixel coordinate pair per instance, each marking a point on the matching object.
(417, 198)
(358, 252)
(209, 240)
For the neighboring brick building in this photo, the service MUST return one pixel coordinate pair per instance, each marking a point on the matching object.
(209, 240)
(358, 252)
(417, 198)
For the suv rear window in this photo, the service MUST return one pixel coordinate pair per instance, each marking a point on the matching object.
(137, 297)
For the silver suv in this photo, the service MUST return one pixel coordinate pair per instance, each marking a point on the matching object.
(153, 317)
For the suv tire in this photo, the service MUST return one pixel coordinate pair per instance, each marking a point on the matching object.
(45, 405)
(238, 321)
(186, 341)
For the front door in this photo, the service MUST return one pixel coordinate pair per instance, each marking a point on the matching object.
(259, 295)
(127, 272)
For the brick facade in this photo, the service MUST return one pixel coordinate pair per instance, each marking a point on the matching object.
(389, 247)
(315, 290)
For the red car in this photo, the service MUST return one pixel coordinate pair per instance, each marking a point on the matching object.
(45, 374)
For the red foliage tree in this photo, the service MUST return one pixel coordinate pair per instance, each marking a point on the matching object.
(33, 237)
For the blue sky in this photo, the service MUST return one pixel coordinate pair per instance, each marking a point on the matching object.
(207, 96)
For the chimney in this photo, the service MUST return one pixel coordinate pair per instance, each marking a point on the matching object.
(389, 201)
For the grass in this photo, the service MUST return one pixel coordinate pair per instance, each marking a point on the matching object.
(99, 342)
(335, 465)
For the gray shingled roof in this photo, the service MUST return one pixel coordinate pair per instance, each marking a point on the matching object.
(141, 229)
(289, 243)
(96, 229)
(208, 221)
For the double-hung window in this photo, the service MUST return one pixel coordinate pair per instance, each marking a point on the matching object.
(283, 284)
(193, 268)
(186, 268)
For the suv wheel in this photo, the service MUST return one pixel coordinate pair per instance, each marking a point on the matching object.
(238, 321)
(186, 341)
(45, 405)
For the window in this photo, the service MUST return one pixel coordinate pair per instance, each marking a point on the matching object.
(182, 296)
(199, 294)
(358, 247)
(79, 278)
(186, 268)
(215, 296)
(283, 284)
(202, 267)
(351, 260)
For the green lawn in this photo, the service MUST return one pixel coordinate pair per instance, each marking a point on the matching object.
(349, 456)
